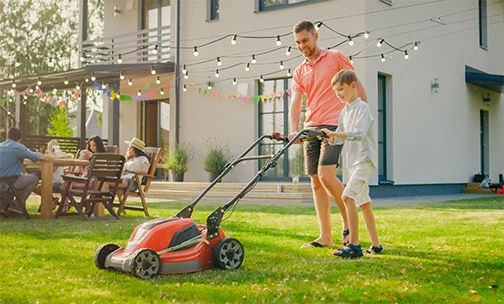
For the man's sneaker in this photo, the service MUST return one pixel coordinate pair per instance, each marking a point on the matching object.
(374, 250)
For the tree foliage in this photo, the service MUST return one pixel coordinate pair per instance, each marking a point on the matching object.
(60, 123)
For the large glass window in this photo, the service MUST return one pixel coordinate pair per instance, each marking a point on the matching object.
(264, 5)
(483, 24)
(274, 117)
(156, 14)
(213, 10)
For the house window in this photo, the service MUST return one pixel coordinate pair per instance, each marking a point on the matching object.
(264, 5)
(212, 10)
(156, 14)
(483, 24)
(274, 117)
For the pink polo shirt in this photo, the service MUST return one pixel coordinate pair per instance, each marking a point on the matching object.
(323, 107)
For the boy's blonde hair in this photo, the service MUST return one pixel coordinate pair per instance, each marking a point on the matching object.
(344, 76)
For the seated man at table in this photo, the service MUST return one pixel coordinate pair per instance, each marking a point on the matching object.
(12, 155)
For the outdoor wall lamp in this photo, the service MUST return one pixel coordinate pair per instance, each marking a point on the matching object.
(486, 98)
(435, 85)
(117, 11)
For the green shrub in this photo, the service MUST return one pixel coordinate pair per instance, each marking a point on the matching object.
(178, 160)
(216, 157)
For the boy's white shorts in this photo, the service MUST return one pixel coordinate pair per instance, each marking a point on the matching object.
(357, 186)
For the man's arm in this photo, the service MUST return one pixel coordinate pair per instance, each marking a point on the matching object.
(46, 157)
(361, 90)
(295, 113)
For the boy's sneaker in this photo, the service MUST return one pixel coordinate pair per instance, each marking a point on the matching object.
(374, 250)
(350, 251)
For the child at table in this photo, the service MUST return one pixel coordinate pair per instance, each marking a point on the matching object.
(54, 150)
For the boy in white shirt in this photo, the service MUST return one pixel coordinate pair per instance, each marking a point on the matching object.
(356, 127)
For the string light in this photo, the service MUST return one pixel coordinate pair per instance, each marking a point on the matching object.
(13, 83)
(233, 41)
(39, 82)
(119, 59)
(234, 81)
(161, 91)
(93, 77)
(416, 46)
(406, 56)
(288, 51)
(350, 58)
(350, 41)
(82, 58)
(153, 70)
(247, 67)
(139, 92)
(130, 82)
(155, 49)
(219, 63)
(118, 96)
(380, 43)
(25, 97)
(253, 59)
(158, 80)
(50, 63)
(54, 91)
(278, 41)
(17, 63)
(382, 58)
(37, 87)
(65, 81)
(318, 25)
(217, 73)
(281, 65)
(209, 85)
(366, 34)
(87, 79)
(121, 76)
(289, 73)
(77, 86)
(261, 79)
(186, 75)
(31, 90)
(184, 88)
(195, 53)
(184, 70)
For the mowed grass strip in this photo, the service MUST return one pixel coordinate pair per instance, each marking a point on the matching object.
(448, 252)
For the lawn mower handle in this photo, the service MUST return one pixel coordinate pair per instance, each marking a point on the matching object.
(214, 220)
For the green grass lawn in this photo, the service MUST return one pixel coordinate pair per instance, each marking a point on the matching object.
(450, 252)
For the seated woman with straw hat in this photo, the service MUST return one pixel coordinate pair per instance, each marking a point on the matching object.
(137, 162)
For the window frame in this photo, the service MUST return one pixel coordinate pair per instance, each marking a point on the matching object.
(483, 24)
(285, 4)
(212, 10)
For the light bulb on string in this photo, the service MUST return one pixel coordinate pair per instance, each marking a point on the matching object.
(93, 77)
(37, 87)
(50, 62)
(288, 51)
(130, 82)
(350, 41)
(253, 60)
(184, 88)
(219, 63)
(65, 81)
(153, 70)
(158, 80)
(195, 53)
(416, 46)
(217, 74)
(382, 58)
(186, 75)
(366, 34)
(261, 79)
(281, 65)
(184, 70)
(86, 79)
(54, 91)
(379, 44)
(289, 74)
(233, 41)
(139, 92)
(77, 86)
(234, 81)
(350, 58)
(119, 59)
(30, 90)
(83, 57)
(209, 86)
(406, 56)
(25, 97)
(278, 41)
(318, 25)
(14, 85)
(161, 91)
(118, 97)
(39, 82)
(17, 63)
(121, 76)
(247, 67)
(155, 49)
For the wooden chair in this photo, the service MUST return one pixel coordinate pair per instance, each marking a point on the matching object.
(103, 168)
(112, 149)
(154, 155)
(9, 197)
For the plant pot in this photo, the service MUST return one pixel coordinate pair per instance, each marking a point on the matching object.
(176, 177)
(213, 175)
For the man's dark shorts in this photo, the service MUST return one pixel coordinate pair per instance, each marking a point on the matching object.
(320, 153)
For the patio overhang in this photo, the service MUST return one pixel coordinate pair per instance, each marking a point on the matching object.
(103, 73)
(491, 82)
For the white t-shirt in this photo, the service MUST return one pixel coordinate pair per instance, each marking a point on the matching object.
(134, 164)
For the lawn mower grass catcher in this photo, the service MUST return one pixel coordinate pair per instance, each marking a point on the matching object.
(177, 244)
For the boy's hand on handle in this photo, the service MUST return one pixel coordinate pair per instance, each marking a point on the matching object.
(292, 135)
(326, 135)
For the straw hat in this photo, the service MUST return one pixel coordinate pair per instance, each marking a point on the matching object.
(137, 143)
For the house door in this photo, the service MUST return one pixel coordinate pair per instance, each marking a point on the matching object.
(150, 123)
(484, 143)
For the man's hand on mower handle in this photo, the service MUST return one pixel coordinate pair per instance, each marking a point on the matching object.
(292, 135)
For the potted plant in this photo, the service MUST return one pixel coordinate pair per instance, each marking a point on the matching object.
(216, 158)
(177, 162)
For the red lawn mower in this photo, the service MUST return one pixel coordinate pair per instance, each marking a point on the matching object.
(177, 244)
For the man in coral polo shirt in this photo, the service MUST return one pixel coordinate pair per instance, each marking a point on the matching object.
(323, 108)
